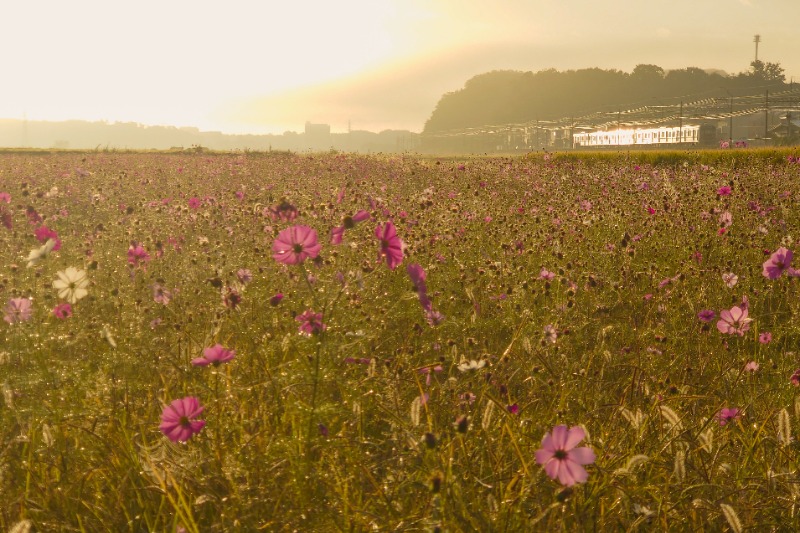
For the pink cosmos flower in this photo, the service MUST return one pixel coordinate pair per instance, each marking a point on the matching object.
(751, 367)
(311, 322)
(33, 216)
(62, 311)
(734, 320)
(706, 315)
(724, 191)
(777, 263)
(765, 338)
(561, 459)
(795, 378)
(244, 276)
(728, 415)
(161, 295)
(433, 317)
(275, 300)
(215, 355)
(194, 202)
(391, 245)
(296, 244)
(730, 279)
(178, 419)
(43, 233)
(546, 275)
(337, 234)
(17, 310)
(283, 211)
(5, 197)
(231, 298)
(361, 216)
(137, 255)
(5, 218)
(417, 275)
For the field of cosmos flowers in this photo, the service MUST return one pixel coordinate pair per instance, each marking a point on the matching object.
(333, 342)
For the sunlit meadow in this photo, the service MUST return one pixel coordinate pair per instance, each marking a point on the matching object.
(331, 342)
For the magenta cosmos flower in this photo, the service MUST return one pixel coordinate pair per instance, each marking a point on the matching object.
(734, 321)
(778, 262)
(62, 311)
(137, 255)
(726, 415)
(391, 245)
(706, 315)
(561, 459)
(43, 233)
(311, 322)
(296, 244)
(215, 355)
(178, 419)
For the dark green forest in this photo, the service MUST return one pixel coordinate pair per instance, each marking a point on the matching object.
(505, 96)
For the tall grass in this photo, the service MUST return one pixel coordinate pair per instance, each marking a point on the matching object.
(372, 425)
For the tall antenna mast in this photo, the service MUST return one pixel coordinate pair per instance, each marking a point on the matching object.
(757, 39)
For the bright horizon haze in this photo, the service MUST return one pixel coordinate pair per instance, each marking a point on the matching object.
(267, 67)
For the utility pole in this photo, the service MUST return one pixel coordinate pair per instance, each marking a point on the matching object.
(757, 39)
(730, 127)
(766, 115)
(680, 124)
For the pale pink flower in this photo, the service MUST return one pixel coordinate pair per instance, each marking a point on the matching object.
(546, 275)
(17, 310)
(244, 276)
(161, 295)
(560, 457)
(730, 279)
(734, 321)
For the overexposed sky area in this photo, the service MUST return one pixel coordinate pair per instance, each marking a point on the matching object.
(248, 66)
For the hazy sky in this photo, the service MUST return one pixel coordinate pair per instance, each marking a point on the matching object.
(268, 66)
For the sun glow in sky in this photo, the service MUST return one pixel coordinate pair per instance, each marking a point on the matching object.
(269, 66)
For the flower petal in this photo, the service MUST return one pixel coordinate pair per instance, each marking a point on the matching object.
(582, 456)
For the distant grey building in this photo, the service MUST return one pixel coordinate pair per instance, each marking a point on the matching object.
(317, 136)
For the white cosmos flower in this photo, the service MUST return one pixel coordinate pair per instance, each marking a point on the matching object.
(730, 279)
(471, 365)
(71, 284)
(40, 253)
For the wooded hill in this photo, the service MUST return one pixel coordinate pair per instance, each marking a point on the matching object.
(505, 97)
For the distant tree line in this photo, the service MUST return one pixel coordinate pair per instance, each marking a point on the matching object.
(504, 96)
